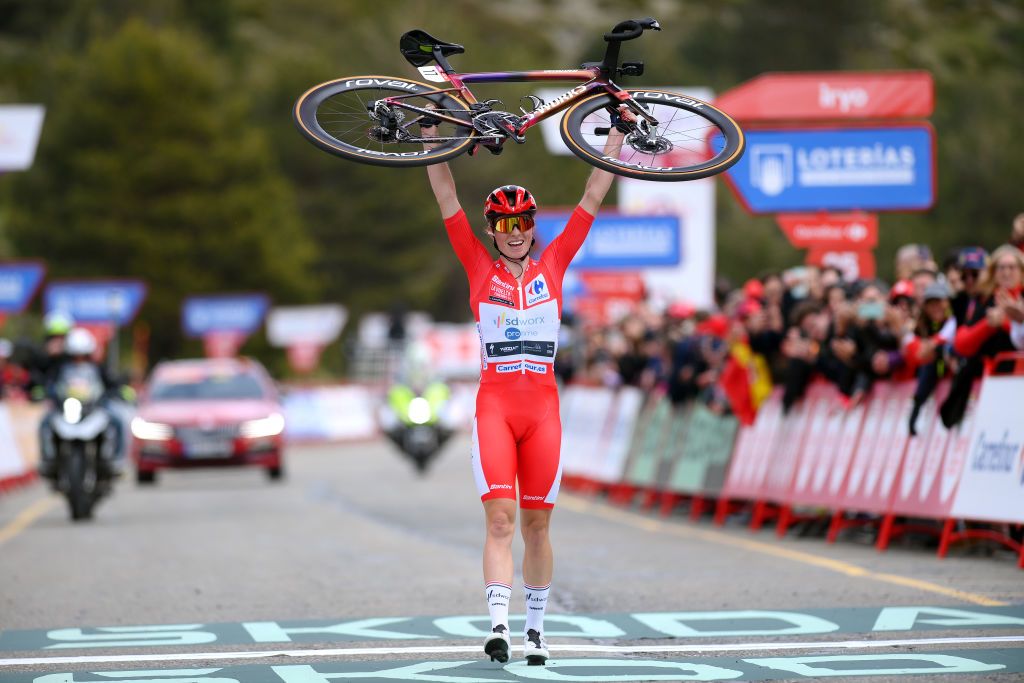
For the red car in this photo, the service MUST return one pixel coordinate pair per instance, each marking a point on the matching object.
(203, 413)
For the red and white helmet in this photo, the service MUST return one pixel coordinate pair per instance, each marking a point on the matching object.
(509, 200)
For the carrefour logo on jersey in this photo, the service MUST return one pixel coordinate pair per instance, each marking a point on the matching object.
(504, 319)
(537, 291)
(513, 333)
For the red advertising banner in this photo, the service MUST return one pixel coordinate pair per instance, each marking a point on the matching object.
(879, 450)
(854, 265)
(818, 96)
(304, 357)
(839, 231)
(754, 451)
(616, 285)
(828, 448)
(785, 452)
(223, 343)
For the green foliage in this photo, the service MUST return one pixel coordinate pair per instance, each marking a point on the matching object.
(149, 168)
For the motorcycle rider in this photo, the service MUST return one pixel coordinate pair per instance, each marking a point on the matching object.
(80, 346)
(416, 380)
(42, 360)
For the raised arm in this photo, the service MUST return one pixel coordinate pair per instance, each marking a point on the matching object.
(600, 181)
(443, 185)
(467, 247)
(441, 181)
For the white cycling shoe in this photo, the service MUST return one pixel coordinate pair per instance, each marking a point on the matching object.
(535, 648)
(498, 644)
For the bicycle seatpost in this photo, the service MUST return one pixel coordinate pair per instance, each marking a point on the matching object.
(623, 31)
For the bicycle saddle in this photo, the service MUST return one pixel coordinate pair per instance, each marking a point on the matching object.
(417, 46)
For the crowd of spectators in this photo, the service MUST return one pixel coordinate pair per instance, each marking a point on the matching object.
(938, 320)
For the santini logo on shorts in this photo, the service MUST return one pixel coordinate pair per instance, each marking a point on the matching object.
(532, 497)
(537, 291)
(501, 486)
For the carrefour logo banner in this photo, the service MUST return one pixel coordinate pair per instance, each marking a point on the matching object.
(872, 169)
(18, 284)
(236, 313)
(113, 301)
(992, 485)
(620, 241)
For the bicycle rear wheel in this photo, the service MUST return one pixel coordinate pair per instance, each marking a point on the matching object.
(692, 139)
(334, 117)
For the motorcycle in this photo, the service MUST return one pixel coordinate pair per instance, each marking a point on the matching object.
(418, 422)
(80, 439)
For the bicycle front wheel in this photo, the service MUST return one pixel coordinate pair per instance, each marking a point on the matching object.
(339, 117)
(691, 140)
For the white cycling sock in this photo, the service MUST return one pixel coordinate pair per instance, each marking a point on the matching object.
(498, 595)
(536, 603)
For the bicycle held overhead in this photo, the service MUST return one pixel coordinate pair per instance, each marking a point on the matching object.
(376, 119)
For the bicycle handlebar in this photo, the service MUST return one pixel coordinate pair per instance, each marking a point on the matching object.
(631, 28)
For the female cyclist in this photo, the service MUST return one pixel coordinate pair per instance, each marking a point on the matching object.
(517, 434)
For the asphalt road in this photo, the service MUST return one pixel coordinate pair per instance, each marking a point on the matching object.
(354, 535)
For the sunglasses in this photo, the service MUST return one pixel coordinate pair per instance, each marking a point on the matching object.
(506, 224)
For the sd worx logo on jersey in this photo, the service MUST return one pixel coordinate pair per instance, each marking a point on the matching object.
(514, 321)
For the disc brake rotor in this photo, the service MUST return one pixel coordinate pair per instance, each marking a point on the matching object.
(648, 144)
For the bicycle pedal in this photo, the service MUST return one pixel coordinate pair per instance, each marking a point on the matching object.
(495, 149)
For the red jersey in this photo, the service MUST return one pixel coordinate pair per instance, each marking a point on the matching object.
(517, 321)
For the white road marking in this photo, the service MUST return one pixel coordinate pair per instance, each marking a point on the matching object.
(460, 649)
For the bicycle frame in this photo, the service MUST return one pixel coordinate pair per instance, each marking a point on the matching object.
(593, 80)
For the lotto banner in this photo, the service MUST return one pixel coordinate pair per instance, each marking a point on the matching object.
(992, 483)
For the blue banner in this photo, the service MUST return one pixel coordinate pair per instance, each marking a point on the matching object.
(243, 313)
(871, 169)
(18, 284)
(115, 301)
(620, 241)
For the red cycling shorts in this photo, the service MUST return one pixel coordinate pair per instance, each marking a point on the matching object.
(517, 435)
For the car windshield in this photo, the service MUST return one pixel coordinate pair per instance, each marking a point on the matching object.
(209, 387)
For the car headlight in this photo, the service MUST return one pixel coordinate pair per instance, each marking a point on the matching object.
(72, 410)
(419, 411)
(151, 431)
(272, 425)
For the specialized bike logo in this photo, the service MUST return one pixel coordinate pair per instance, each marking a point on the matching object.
(775, 167)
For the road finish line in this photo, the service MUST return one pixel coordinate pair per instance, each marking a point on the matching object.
(475, 649)
(807, 667)
(720, 625)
